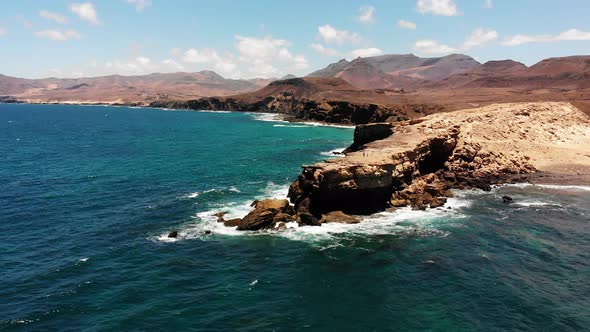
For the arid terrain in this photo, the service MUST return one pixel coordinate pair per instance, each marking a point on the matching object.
(401, 85)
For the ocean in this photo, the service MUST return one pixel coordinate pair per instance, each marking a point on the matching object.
(89, 194)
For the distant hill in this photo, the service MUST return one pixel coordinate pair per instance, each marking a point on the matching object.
(117, 88)
(567, 73)
(397, 70)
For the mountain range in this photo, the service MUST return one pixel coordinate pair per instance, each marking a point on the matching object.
(455, 80)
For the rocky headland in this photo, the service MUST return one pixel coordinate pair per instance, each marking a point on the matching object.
(416, 163)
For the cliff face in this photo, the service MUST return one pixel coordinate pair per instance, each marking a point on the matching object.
(329, 111)
(422, 160)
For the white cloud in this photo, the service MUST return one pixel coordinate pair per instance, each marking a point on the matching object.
(568, 35)
(479, 37)
(266, 53)
(173, 65)
(438, 7)
(367, 14)
(59, 18)
(140, 5)
(406, 24)
(225, 65)
(489, 4)
(323, 50)
(144, 61)
(58, 35)
(429, 46)
(331, 35)
(253, 57)
(366, 52)
(3, 31)
(255, 48)
(85, 11)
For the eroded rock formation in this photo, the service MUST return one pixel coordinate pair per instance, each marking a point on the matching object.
(419, 164)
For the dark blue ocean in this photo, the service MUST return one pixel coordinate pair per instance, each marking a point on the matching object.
(88, 194)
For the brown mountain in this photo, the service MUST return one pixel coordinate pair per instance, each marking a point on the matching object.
(117, 88)
(397, 70)
(567, 73)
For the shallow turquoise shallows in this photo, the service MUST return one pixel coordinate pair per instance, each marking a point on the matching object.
(89, 194)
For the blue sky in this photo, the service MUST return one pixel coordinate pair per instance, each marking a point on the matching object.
(264, 38)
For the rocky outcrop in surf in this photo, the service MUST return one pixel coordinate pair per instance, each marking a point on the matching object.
(416, 163)
(423, 159)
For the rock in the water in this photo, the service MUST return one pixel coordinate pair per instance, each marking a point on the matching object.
(339, 217)
(307, 219)
(207, 232)
(437, 202)
(232, 222)
(173, 234)
(284, 218)
(220, 216)
(264, 213)
(506, 199)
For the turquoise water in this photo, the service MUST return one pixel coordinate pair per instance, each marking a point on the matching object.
(88, 194)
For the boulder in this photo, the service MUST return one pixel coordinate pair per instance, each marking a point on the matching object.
(263, 215)
(284, 218)
(220, 216)
(173, 235)
(507, 199)
(437, 202)
(232, 222)
(339, 217)
(307, 219)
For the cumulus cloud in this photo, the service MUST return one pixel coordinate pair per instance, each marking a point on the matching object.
(406, 24)
(252, 57)
(59, 18)
(172, 65)
(429, 46)
(323, 50)
(58, 35)
(140, 5)
(225, 65)
(85, 11)
(568, 35)
(332, 35)
(479, 37)
(261, 53)
(438, 7)
(365, 52)
(489, 4)
(366, 14)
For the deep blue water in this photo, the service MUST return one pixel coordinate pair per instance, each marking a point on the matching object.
(88, 194)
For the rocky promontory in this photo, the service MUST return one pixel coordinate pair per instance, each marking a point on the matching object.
(330, 100)
(417, 163)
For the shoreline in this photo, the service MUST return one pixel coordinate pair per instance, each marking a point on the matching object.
(418, 163)
(284, 117)
(368, 178)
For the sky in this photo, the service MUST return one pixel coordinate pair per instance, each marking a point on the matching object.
(270, 38)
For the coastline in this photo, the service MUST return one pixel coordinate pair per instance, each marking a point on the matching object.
(420, 162)
(371, 171)
(281, 117)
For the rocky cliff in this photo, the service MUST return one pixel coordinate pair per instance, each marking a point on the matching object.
(329, 111)
(422, 160)
(416, 163)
